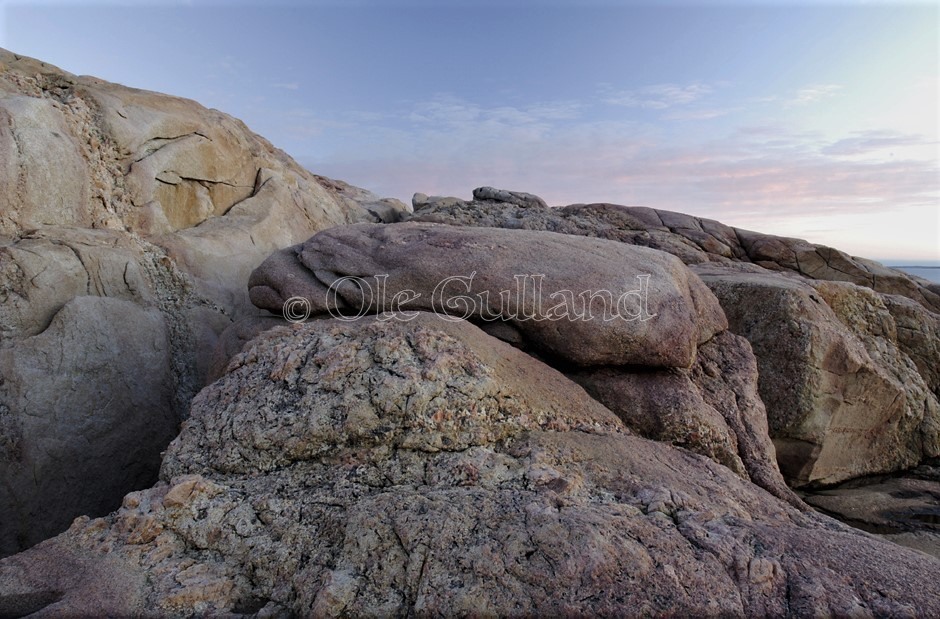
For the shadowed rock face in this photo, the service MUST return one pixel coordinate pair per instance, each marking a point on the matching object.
(904, 508)
(127, 218)
(848, 349)
(423, 467)
(712, 408)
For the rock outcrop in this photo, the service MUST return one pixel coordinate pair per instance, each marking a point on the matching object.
(672, 373)
(150, 211)
(586, 301)
(848, 349)
(424, 468)
(847, 399)
(693, 239)
(593, 439)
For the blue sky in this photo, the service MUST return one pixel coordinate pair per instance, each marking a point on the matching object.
(816, 120)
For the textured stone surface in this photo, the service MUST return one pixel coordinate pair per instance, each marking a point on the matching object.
(424, 468)
(234, 338)
(844, 399)
(849, 378)
(87, 406)
(611, 312)
(713, 408)
(129, 195)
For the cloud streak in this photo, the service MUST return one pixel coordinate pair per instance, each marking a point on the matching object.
(812, 94)
(867, 142)
(659, 96)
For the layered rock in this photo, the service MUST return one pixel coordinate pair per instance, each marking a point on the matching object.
(424, 468)
(672, 374)
(116, 194)
(693, 239)
(848, 349)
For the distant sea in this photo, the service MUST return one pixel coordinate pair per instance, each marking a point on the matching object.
(931, 272)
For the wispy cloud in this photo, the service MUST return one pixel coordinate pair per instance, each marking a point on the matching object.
(449, 110)
(811, 94)
(866, 142)
(287, 85)
(659, 96)
(701, 114)
(449, 145)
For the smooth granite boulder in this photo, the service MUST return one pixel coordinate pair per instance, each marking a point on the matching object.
(585, 301)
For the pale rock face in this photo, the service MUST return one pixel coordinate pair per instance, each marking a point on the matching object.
(87, 402)
(122, 194)
(846, 400)
(423, 467)
(656, 321)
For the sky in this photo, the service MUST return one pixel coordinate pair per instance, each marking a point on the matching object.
(810, 119)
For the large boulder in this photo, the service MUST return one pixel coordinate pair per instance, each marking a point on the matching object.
(424, 468)
(585, 301)
(845, 400)
(653, 372)
(123, 194)
(693, 239)
(848, 349)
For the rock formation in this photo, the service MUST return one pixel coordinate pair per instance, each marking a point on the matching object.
(587, 301)
(129, 222)
(847, 349)
(592, 439)
(638, 365)
(423, 467)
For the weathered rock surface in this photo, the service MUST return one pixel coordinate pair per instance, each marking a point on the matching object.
(586, 301)
(848, 349)
(847, 399)
(422, 467)
(234, 339)
(693, 239)
(712, 408)
(122, 194)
